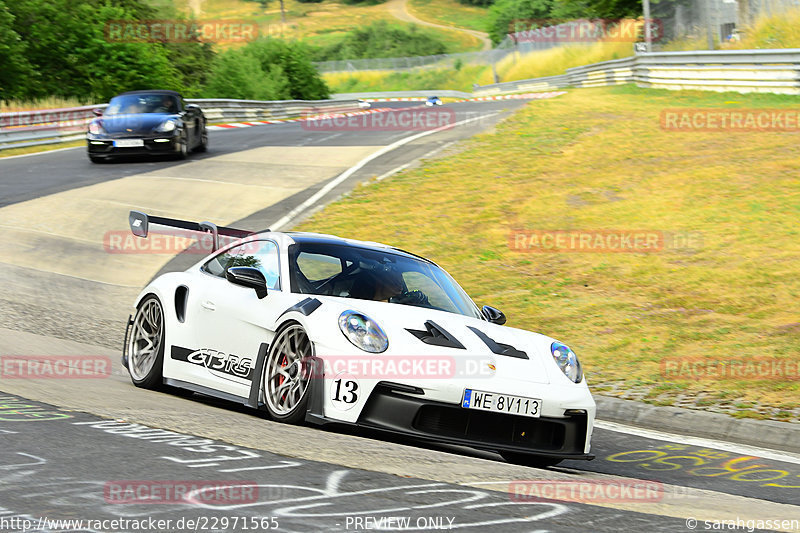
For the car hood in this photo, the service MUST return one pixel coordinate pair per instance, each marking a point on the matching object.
(536, 365)
(134, 123)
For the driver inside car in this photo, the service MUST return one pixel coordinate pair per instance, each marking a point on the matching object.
(390, 287)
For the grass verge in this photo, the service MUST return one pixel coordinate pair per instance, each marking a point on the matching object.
(450, 13)
(414, 80)
(36, 149)
(598, 159)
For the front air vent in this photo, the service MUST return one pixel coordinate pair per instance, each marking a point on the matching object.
(436, 336)
(498, 347)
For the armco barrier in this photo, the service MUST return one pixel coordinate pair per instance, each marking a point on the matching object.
(51, 126)
(769, 71)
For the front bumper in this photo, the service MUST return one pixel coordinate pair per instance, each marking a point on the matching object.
(103, 146)
(422, 418)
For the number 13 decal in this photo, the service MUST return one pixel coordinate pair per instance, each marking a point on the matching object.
(345, 390)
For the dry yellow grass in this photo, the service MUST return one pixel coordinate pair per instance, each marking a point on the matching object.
(598, 159)
(317, 23)
(555, 61)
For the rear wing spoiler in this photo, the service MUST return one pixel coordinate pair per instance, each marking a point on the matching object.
(140, 226)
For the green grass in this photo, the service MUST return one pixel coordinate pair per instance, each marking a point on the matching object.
(598, 159)
(419, 79)
(317, 24)
(450, 13)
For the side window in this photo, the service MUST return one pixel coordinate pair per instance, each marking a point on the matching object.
(317, 267)
(262, 255)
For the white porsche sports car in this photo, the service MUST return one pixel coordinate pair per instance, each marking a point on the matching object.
(324, 330)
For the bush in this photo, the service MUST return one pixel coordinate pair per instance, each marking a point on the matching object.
(382, 40)
(266, 69)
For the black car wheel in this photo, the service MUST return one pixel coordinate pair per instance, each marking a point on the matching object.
(203, 146)
(95, 159)
(183, 146)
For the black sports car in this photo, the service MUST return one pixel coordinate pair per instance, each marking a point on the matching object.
(146, 123)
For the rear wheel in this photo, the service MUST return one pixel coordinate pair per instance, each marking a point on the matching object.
(526, 459)
(285, 381)
(146, 344)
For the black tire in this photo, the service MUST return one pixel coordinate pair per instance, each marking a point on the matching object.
(203, 146)
(526, 459)
(98, 160)
(183, 151)
(290, 342)
(145, 365)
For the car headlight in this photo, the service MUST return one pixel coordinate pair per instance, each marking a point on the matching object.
(167, 126)
(96, 127)
(363, 332)
(567, 361)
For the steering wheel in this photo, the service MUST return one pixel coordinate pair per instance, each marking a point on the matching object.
(416, 298)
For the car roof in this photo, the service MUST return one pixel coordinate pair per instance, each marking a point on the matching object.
(155, 91)
(322, 238)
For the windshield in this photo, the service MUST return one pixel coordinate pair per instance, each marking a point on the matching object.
(142, 103)
(367, 274)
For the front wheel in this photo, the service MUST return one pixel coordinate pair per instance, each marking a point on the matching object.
(183, 147)
(526, 459)
(287, 370)
(203, 146)
(146, 344)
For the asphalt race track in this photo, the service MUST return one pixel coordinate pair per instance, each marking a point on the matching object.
(66, 444)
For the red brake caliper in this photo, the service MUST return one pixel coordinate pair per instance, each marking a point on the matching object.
(283, 362)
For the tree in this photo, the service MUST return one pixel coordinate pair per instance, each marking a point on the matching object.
(15, 71)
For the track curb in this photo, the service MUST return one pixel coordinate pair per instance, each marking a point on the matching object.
(784, 436)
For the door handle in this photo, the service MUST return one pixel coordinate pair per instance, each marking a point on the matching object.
(209, 305)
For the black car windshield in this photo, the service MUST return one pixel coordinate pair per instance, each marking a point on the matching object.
(142, 103)
(368, 274)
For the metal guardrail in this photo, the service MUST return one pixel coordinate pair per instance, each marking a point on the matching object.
(773, 71)
(52, 126)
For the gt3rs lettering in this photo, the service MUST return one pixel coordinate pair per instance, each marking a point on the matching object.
(215, 360)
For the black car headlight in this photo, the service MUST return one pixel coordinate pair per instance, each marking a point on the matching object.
(96, 127)
(363, 332)
(567, 361)
(167, 126)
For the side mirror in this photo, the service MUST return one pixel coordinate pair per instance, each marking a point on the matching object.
(495, 316)
(97, 112)
(249, 277)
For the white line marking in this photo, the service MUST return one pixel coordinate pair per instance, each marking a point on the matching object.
(358, 166)
(742, 449)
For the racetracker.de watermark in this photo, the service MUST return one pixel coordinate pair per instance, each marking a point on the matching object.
(171, 242)
(584, 30)
(587, 491)
(410, 119)
(602, 241)
(180, 491)
(54, 366)
(180, 31)
(753, 369)
(394, 367)
(730, 120)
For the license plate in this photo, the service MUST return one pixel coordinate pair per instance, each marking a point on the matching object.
(501, 403)
(129, 143)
